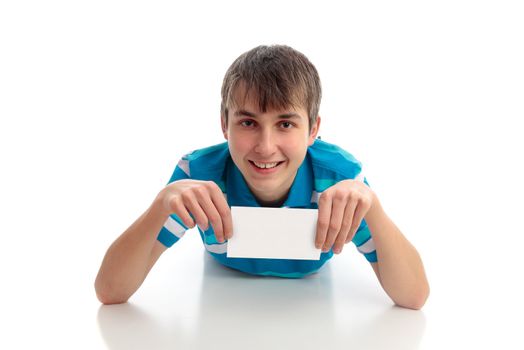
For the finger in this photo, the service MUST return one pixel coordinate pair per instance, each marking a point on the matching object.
(346, 226)
(204, 199)
(360, 212)
(214, 218)
(337, 213)
(223, 209)
(191, 203)
(324, 214)
(178, 208)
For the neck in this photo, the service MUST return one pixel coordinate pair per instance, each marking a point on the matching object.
(272, 203)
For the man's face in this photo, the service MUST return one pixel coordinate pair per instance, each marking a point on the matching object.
(276, 140)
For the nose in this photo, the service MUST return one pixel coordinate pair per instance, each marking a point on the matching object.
(265, 145)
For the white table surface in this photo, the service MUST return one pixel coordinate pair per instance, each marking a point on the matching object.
(205, 305)
(189, 301)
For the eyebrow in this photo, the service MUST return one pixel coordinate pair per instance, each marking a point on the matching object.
(244, 113)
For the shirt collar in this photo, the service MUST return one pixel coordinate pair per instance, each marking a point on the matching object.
(239, 194)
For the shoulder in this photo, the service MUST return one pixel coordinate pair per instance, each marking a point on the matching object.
(206, 163)
(332, 164)
(212, 152)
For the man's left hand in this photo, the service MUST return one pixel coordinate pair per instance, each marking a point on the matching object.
(341, 209)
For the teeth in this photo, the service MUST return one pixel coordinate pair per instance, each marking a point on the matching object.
(265, 165)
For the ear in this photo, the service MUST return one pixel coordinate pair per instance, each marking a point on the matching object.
(314, 132)
(224, 126)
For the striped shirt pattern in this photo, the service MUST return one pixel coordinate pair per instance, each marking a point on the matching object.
(325, 164)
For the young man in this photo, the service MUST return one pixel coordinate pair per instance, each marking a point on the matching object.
(269, 117)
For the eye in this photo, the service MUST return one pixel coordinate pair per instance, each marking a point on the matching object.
(287, 125)
(243, 123)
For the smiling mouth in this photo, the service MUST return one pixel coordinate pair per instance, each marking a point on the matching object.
(266, 165)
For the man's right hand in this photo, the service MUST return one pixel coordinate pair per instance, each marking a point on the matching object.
(204, 200)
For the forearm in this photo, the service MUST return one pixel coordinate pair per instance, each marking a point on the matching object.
(127, 260)
(400, 267)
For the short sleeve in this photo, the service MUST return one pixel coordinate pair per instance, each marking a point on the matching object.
(174, 228)
(364, 242)
(363, 239)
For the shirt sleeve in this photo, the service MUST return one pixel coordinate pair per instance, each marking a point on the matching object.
(363, 239)
(174, 228)
(364, 242)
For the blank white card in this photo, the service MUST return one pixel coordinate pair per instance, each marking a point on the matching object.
(277, 233)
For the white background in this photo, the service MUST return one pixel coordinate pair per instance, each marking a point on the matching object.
(99, 99)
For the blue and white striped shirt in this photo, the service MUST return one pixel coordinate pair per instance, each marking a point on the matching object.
(325, 164)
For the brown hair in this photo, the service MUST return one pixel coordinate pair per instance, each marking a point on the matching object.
(278, 76)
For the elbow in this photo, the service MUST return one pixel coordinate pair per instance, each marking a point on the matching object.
(107, 295)
(108, 299)
(416, 300)
(415, 304)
